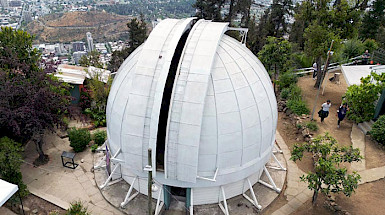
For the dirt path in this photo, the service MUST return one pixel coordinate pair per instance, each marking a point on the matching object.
(334, 92)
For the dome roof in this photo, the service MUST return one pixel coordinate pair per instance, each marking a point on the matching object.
(200, 99)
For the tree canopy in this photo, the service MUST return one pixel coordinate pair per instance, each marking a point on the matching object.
(138, 34)
(31, 101)
(328, 176)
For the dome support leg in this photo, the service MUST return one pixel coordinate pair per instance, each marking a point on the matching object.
(191, 208)
(110, 177)
(276, 149)
(254, 201)
(159, 204)
(272, 185)
(224, 208)
(129, 197)
(279, 167)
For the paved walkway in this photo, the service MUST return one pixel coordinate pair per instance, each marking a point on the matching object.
(358, 141)
(296, 191)
(60, 185)
(6, 211)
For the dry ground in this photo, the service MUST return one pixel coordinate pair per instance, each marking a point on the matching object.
(368, 198)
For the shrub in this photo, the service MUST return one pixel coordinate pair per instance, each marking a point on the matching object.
(94, 147)
(352, 48)
(77, 208)
(285, 93)
(286, 79)
(298, 106)
(10, 161)
(99, 117)
(361, 98)
(312, 126)
(79, 138)
(378, 130)
(100, 137)
(295, 92)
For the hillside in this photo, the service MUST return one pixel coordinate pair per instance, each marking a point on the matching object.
(73, 26)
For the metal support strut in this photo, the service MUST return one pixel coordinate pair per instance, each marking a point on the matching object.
(254, 201)
(224, 208)
(129, 197)
(109, 177)
(159, 204)
(279, 167)
(272, 185)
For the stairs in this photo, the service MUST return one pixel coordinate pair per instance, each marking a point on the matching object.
(366, 126)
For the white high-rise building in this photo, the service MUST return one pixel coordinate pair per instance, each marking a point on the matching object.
(90, 42)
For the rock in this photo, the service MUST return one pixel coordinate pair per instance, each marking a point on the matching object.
(82, 160)
(35, 211)
(284, 109)
(305, 132)
(337, 207)
(297, 139)
(26, 209)
(332, 198)
(346, 213)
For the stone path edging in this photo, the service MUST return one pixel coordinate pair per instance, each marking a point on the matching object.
(296, 191)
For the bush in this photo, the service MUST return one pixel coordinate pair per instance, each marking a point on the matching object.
(378, 130)
(94, 147)
(79, 138)
(10, 161)
(286, 80)
(295, 92)
(285, 93)
(77, 208)
(298, 106)
(312, 126)
(352, 48)
(100, 137)
(361, 98)
(99, 117)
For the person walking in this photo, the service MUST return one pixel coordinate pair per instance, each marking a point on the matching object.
(324, 112)
(314, 70)
(341, 113)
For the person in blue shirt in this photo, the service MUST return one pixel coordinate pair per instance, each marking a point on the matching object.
(341, 113)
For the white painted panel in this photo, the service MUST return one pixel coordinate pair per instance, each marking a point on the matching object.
(226, 102)
(230, 142)
(229, 123)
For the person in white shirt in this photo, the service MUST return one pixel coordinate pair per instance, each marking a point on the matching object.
(324, 112)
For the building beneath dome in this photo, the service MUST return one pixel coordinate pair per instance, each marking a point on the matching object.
(206, 107)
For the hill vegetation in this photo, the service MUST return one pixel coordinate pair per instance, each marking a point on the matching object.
(73, 26)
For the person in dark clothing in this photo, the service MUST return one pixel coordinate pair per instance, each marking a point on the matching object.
(324, 112)
(366, 57)
(341, 113)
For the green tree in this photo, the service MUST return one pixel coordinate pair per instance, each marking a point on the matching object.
(31, 101)
(328, 176)
(10, 161)
(361, 98)
(210, 9)
(91, 59)
(276, 56)
(137, 36)
(352, 48)
(373, 20)
(318, 40)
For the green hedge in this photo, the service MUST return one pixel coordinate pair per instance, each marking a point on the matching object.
(79, 138)
(99, 137)
(298, 106)
(378, 130)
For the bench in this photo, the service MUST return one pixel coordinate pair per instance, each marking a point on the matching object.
(69, 164)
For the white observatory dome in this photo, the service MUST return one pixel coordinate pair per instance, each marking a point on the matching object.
(202, 102)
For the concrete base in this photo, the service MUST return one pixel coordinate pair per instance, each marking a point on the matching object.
(116, 192)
